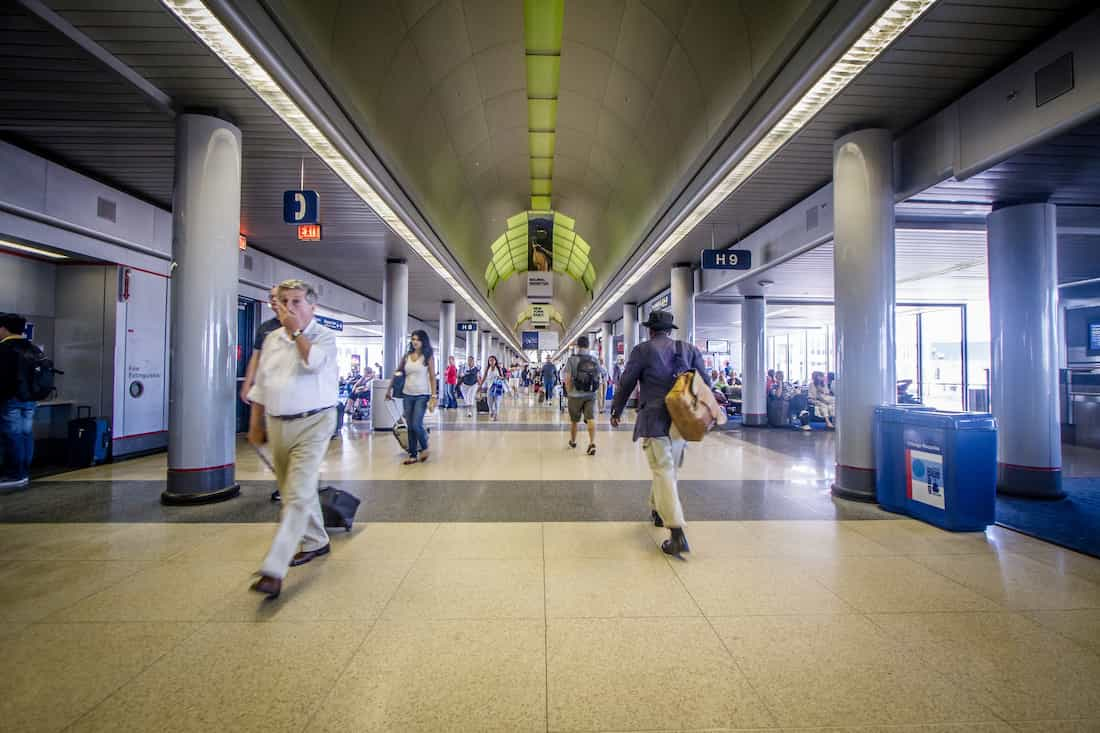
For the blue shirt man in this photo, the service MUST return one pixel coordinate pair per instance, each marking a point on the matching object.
(655, 364)
(549, 378)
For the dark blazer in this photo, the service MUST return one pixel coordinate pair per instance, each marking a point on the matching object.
(653, 364)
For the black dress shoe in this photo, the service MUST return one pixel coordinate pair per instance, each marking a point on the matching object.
(276, 496)
(677, 544)
(306, 555)
(270, 587)
(657, 521)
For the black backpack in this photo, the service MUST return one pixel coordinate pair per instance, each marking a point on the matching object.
(470, 377)
(34, 374)
(587, 374)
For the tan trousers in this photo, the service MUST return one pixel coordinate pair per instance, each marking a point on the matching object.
(297, 449)
(664, 455)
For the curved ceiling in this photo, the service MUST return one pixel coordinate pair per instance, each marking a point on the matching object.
(440, 90)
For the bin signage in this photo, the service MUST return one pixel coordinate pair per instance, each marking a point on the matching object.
(924, 468)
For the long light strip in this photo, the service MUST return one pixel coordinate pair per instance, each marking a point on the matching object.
(884, 31)
(206, 26)
(32, 250)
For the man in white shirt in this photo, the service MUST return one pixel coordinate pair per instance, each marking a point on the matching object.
(297, 383)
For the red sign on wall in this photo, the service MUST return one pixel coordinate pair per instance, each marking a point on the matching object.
(309, 232)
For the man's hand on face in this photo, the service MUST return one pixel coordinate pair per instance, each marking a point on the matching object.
(289, 320)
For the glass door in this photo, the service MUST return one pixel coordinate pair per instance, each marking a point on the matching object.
(930, 358)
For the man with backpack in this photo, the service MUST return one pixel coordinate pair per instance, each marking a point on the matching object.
(582, 383)
(26, 376)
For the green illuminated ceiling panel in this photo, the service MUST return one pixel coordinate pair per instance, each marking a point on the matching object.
(570, 251)
(542, 29)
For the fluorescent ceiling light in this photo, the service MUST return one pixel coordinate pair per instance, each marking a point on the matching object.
(206, 26)
(33, 250)
(884, 31)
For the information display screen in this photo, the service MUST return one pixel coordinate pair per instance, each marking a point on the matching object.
(715, 346)
(1094, 338)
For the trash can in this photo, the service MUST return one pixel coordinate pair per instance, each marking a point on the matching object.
(939, 467)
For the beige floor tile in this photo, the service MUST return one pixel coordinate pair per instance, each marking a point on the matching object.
(934, 728)
(624, 674)
(322, 590)
(1018, 582)
(66, 669)
(486, 541)
(169, 591)
(1058, 726)
(1007, 661)
(442, 676)
(831, 670)
(611, 540)
(1066, 561)
(386, 541)
(610, 588)
(22, 543)
(797, 539)
(909, 537)
(896, 584)
(1081, 625)
(761, 585)
(443, 588)
(145, 542)
(239, 542)
(233, 677)
(34, 590)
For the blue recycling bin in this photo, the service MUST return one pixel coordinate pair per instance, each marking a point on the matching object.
(936, 466)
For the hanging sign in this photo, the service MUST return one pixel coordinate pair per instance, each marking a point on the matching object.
(242, 242)
(467, 327)
(540, 316)
(548, 340)
(540, 287)
(530, 340)
(727, 259)
(309, 232)
(331, 323)
(301, 207)
(718, 346)
(661, 304)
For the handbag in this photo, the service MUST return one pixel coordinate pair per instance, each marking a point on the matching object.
(691, 403)
(398, 384)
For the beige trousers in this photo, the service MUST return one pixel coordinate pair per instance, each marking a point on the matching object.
(297, 449)
(665, 455)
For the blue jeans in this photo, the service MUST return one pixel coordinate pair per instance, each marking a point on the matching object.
(415, 407)
(17, 438)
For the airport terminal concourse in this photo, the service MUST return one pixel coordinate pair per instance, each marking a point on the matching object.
(550, 365)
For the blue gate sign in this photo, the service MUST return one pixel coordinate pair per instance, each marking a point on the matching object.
(467, 327)
(727, 259)
(301, 207)
(530, 340)
(332, 323)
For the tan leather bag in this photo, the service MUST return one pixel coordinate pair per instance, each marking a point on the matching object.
(692, 405)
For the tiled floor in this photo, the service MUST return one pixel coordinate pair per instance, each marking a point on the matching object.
(797, 623)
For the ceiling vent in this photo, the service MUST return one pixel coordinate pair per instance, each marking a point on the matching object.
(106, 209)
(811, 218)
(1054, 80)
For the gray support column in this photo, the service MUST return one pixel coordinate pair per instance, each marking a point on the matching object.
(754, 400)
(608, 340)
(1023, 314)
(630, 328)
(446, 333)
(206, 222)
(682, 287)
(483, 356)
(863, 196)
(395, 315)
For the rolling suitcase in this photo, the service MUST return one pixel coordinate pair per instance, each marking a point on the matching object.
(482, 403)
(338, 507)
(400, 430)
(89, 438)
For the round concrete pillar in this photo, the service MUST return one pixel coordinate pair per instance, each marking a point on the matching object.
(754, 399)
(682, 289)
(395, 315)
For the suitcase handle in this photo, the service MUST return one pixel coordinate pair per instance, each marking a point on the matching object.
(84, 407)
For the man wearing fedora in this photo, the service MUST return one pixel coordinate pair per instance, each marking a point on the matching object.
(655, 364)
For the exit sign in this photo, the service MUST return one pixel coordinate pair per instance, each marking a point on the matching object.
(309, 232)
(242, 242)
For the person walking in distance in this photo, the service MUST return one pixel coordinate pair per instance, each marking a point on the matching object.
(26, 377)
(582, 382)
(293, 407)
(450, 378)
(495, 385)
(418, 367)
(549, 379)
(470, 382)
(655, 364)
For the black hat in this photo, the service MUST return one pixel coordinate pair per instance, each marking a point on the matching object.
(659, 321)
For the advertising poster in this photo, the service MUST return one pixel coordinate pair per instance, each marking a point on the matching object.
(540, 249)
(530, 340)
(924, 478)
(540, 287)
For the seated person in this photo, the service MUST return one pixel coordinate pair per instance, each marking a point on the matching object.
(796, 400)
(822, 400)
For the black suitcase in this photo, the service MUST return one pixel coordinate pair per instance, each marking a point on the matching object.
(338, 507)
(89, 439)
(482, 403)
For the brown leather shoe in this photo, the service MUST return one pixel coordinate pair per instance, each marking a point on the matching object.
(305, 556)
(271, 587)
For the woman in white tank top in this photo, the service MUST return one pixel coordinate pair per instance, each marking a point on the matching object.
(418, 368)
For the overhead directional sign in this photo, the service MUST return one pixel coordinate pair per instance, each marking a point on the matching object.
(309, 232)
(330, 323)
(301, 207)
(727, 259)
(467, 327)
